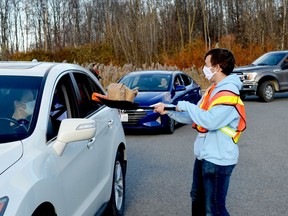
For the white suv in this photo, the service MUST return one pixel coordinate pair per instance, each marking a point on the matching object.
(60, 152)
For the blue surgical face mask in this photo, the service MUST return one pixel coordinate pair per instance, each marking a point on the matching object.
(208, 73)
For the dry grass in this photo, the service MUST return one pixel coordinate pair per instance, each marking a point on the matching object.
(112, 74)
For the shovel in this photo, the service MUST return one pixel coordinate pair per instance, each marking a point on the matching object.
(124, 105)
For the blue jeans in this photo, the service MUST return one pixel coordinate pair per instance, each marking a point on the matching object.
(209, 188)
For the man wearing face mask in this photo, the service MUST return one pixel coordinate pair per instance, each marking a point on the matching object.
(219, 117)
(24, 106)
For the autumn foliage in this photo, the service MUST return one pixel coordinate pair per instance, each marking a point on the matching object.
(190, 59)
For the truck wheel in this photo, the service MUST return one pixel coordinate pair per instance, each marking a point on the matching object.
(266, 91)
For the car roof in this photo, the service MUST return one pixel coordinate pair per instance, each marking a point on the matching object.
(281, 51)
(25, 68)
(153, 72)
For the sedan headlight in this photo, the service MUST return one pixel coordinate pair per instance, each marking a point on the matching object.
(250, 76)
(3, 204)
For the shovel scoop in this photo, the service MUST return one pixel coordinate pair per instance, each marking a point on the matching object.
(122, 104)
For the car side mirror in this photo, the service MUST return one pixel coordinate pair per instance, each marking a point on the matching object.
(73, 129)
(180, 88)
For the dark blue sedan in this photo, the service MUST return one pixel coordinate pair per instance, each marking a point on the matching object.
(154, 87)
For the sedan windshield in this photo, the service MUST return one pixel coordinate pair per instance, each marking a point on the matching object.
(148, 82)
(17, 104)
(269, 59)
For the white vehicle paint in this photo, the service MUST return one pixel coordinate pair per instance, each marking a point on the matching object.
(62, 164)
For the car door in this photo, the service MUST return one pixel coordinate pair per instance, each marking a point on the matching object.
(84, 166)
(191, 93)
(283, 74)
(104, 145)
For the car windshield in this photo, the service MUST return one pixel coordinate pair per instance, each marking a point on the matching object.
(148, 82)
(269, 59)
(18, 95)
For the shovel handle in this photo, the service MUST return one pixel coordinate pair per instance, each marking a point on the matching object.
(151, 108)
(170, 108)
(123, 105)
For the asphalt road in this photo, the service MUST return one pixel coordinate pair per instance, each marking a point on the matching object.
(160, 167)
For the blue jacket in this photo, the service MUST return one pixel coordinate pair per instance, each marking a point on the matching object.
(213, 146)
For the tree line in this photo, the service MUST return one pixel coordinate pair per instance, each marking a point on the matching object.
(140, 31)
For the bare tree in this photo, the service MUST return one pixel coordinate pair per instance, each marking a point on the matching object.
(140, 30)
(55, 21)
(88, 8)
(283, 38)
(148, 32)
(4, 19)
(16, 11)
(46, 26)
(168, 26)
(191, 11)
(205, 23)
(179, 12)
(75, 12)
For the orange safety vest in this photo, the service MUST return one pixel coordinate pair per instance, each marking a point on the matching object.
(228, 98)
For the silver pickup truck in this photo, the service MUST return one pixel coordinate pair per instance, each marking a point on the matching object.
(265, 76)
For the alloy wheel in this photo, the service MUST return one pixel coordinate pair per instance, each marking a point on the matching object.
(118, 185)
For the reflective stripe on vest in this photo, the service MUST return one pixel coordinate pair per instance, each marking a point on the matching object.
(224, 98)
(235, 135)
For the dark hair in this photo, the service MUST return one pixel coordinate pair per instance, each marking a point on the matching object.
(224, 58)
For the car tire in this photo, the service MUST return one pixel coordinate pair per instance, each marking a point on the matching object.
(170, 127)
(266, 91)
(117, 200)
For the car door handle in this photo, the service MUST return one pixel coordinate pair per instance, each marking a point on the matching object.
(110, 123)
(91, 143)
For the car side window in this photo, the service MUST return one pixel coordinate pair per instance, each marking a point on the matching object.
(285, 64)
(186, 79)
(62, 106)
(178, 81)
(86, 87)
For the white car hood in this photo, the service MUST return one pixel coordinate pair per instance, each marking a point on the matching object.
(9, 154)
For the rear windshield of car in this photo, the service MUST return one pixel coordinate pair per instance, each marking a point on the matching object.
(269, 59)
(148, 82)
(18, 96)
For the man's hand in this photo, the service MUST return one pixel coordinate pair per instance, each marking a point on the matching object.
(159, 107)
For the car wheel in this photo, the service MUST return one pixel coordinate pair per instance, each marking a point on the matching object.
(266, 91)
(170, 127)
(117, 200)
